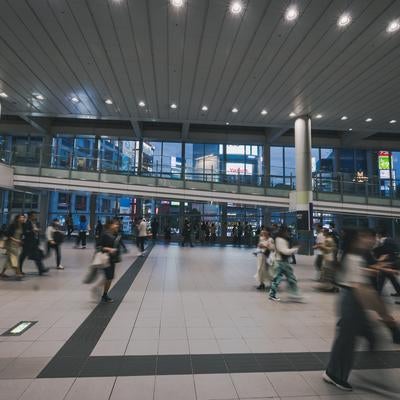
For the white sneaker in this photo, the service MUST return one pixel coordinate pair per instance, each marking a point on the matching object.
(60, 267)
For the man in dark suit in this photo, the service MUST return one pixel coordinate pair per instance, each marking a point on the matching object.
(30, 246)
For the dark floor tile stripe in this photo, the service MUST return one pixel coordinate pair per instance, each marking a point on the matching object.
(213, 364)
(73, 359)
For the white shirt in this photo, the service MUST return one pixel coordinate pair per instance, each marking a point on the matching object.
(142, 228)
(50, 233)
(282, 248)
(319, 240)
(353, 271)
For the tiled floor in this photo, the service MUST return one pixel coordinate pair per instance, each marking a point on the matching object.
(183, 301)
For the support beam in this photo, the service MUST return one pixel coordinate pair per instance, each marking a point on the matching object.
(353, 138)
(137, 129)
(185, 130)
(42, 125)
(275, 133)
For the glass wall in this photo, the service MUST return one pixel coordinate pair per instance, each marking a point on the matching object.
(204, 161)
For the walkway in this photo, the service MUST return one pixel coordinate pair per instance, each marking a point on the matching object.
(190, 326)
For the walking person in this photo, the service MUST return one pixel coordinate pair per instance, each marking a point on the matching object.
(319, 258)
(55, 238)
(329, 264)
(83, 226)
(69, 222)
(98, 230)
(142, 235)
(109, 243)
(186, 233)
(265, 249)
(30, 246)
(154, 228)
(13, 246)
(353, 321)
(282, 267)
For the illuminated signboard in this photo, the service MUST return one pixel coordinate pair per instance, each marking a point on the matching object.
(239, 169)
(384, 160)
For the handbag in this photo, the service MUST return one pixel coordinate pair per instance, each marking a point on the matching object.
(100, 260)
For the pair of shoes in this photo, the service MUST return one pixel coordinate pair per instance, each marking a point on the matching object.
(83, 247)
(60, 267)
(106, 299)
(261, 287)
(274, 298)
(340, 385)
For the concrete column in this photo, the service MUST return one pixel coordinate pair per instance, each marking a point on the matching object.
(302, 135)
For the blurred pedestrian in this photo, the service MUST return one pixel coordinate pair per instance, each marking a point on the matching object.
(55, 238)
(83, 226)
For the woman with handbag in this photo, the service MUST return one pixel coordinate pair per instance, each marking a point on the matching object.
(110, 244)
(264, 249)
(13, 246)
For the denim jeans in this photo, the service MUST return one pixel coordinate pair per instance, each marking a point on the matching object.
(283, 269)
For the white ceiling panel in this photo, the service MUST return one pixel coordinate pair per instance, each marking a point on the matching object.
(202, 54)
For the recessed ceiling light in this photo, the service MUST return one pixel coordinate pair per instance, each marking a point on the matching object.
(174, 106)
(291, 13)
(74, 99)
(4, 95)
(108, 101)
(39, 96)
(344, 20)
(142, 104)
(264, 112)
(177, 3)
(236, 7)
(235, 110)
(393, 121)
(204, 108)
(226, 123)
(344, 118)
(350, 129)
(292, 114)
(368, 119)
(393, 26)
(318, 116)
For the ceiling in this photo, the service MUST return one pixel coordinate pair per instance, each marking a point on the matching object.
(201, 54)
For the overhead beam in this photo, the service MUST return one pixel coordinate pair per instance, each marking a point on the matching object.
(353, 138)
(275, 133)
(137, 129)
(42, 125)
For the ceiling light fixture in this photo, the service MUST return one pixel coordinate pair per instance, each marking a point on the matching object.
(39, 97)
(368, 119)
(264, 112)
(235, 110)
(344, 20)
(4, 95)
(236, 7)
(393, 26)
(226, 123)
(393, 121)
(74, 99)
(350, 129)
(344, 118)
(318, 116)
(108, 101)
(142, 104)
(174, 106)
(204, 108)
(291, 13)
(292, 114)
(177, 3)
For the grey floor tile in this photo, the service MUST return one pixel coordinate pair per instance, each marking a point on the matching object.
(133, 388)
(290, 384)
(12, 389)
(252, 385)
(177, 387)
(24, 368)
(214, 387)
(91, 389)
(54, 389)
